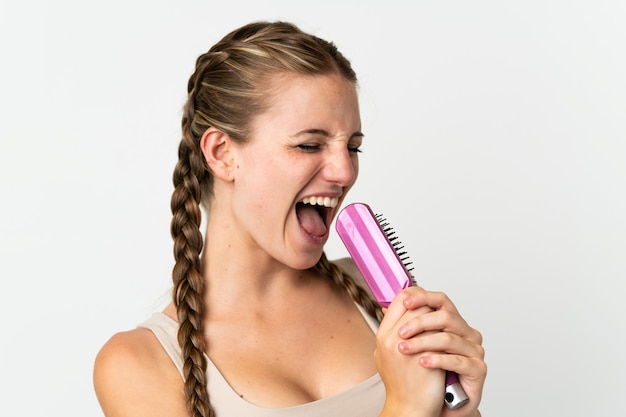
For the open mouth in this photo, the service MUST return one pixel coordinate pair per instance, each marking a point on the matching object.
(315, 214)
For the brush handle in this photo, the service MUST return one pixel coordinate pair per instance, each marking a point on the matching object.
(383, 271)
(454, 397)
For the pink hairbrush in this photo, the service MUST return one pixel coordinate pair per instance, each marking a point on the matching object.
(378, 255)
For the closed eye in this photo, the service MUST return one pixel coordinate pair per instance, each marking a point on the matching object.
(308, 147)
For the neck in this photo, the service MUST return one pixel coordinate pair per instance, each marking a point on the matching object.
(237, 270)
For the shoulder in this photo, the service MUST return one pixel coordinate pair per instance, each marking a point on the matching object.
(130, 371)
(348, 266)
(133, 348)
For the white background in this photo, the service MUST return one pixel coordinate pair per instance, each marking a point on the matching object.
(495, 144)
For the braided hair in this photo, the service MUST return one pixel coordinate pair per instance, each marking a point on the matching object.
(226, 92)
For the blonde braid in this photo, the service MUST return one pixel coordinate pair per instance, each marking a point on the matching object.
(191, 175)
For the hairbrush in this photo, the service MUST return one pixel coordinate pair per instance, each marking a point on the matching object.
(385, 266)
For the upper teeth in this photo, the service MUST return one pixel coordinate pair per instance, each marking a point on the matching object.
(321, 201)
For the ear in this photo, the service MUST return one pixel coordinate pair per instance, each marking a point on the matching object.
(217, 148)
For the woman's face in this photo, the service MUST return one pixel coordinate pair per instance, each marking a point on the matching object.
(300, 161)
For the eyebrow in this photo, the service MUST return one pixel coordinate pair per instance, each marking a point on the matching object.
(323, 132)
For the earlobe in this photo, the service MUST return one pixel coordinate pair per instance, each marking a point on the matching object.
(217, 149)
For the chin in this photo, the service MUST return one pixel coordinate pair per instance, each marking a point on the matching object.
(305, 262)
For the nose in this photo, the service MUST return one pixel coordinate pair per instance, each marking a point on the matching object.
(342, 167)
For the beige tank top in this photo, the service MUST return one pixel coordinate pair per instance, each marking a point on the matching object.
(362, 400)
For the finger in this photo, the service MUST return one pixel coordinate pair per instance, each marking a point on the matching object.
(394, 311)
(440, 320)
(416, 297)
(468, 368)
(471, 374)
(441, 342)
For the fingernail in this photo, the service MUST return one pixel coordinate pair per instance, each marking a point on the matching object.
(403, 347)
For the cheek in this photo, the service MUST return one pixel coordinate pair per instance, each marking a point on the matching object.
(254, 165)
(260, 182)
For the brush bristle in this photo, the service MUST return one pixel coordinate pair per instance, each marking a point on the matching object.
(395, 243)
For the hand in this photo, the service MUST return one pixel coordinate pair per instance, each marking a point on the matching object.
(411, 389)
(432, 330)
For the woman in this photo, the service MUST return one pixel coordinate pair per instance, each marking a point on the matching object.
(261, 323)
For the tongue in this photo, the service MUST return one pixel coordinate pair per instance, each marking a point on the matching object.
(311, 221)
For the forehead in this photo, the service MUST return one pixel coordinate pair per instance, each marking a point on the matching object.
(284, 83)
(312, 99)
